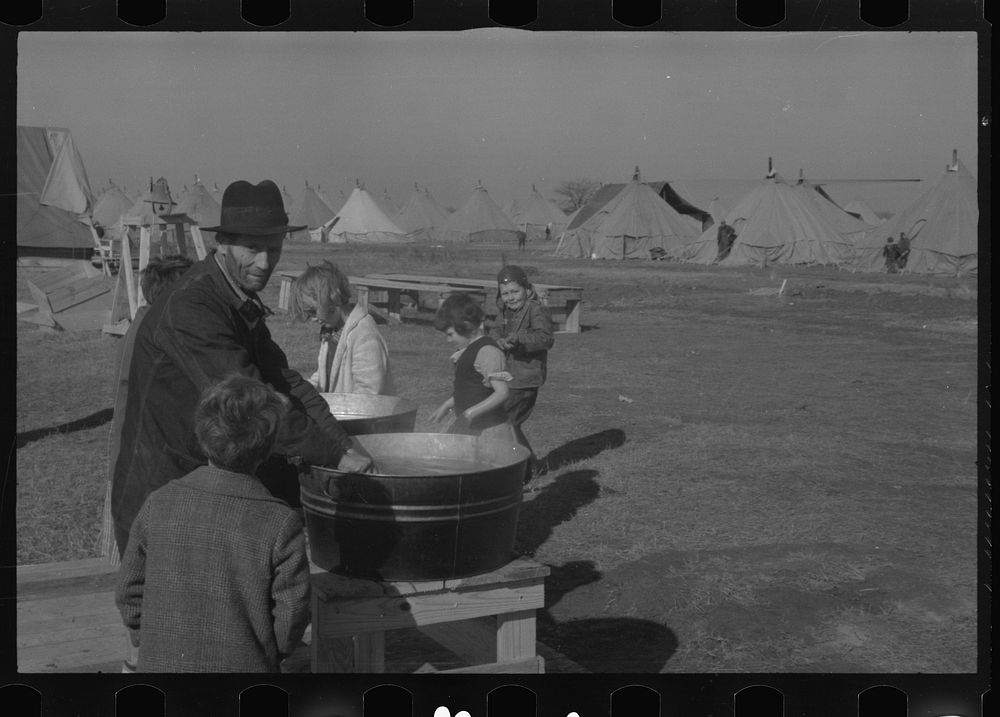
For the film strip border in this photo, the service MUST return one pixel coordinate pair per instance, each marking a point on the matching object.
(677, 696)
(526, 14)
(506, 695)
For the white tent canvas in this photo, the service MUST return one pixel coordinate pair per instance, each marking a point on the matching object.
(942, 225)
(775, 224)
(361, 220)
(421, 217)
(634, 224)
(479, 220)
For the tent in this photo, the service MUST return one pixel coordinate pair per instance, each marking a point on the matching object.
(535, 214)
(775, 224)
(54, 199)
(361, 220)
(942, 226)
(634, 224)
(850, 227)
(312, 211)
(386, 204)
(200, 205)
(479, 220)
(110, 206)
(421, 217)
(862, 211)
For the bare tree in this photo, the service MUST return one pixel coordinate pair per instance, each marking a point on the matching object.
(574, 193)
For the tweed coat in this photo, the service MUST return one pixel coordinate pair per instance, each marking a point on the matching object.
(215, 577)
(197, 332)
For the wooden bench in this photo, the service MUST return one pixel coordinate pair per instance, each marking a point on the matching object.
(563, 301)
(380, 295)
(66, 617)
(488, 619)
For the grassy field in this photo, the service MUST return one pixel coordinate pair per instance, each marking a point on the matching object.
(740, 481)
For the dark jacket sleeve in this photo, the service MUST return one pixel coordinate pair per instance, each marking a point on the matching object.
(207, 341)
(535, 334)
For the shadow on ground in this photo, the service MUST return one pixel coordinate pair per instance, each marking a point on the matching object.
(605, 644)
(80, 424)
(580, 449)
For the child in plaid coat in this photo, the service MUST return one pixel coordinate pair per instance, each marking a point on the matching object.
(215, 577)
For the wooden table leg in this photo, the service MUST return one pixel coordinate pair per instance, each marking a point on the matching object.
(515, 635)
(572, 316)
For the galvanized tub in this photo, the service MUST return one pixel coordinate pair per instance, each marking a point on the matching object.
(440, 506)
(361, 413)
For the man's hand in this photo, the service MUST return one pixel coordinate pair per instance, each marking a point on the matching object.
(352, 462)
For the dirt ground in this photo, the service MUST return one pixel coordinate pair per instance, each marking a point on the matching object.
(738, 480)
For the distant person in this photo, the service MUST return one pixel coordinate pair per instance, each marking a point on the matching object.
(159, 273)
(521, 238)
(480, 383)
(215, 577)
(891, 253)
(523, 330)
(725, 237)
(353, 356)
(548, 232)
(904, 250)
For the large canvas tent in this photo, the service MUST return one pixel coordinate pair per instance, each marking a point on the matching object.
(859, 208)
(110, 207)
(54, 199)
(942, 226)
(362, 221)
(199, 204)
(775, 224)
(849, 226)
(313, 212)
(536, 214)
(479, 220)
(421, 217)
(637, 223)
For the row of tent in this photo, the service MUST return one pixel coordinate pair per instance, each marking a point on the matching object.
(776, 222)
(781, 222)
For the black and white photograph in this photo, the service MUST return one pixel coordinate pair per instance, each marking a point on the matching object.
(497, 351)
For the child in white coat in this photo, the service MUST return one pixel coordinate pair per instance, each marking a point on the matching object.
(353, 356)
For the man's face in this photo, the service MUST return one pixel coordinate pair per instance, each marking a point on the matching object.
(250, 259)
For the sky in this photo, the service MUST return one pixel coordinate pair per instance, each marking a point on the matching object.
(508, 108)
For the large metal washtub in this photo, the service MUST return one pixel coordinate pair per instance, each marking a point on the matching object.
(457, 522)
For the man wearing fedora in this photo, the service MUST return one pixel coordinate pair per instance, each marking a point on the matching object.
(207, 326)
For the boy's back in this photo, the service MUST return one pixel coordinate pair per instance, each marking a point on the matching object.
(215, 576)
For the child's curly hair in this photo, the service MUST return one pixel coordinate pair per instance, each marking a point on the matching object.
(237, 422)
(324, 284)
(460, 312)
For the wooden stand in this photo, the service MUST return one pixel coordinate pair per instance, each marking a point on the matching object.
(487, 619)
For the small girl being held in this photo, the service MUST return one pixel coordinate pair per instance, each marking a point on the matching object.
(480, 383)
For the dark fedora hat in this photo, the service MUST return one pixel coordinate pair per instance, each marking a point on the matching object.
(255, 209)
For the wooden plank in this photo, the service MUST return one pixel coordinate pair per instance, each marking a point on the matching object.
(42, 572)
(76, 292)
(530, 665)
(69, 633)
(369, 652)
(515, 635)
(472, 640)
(342, 617)
(71, 606)
(345, 586)
(63, 587)
(75, 656)
(199, 242)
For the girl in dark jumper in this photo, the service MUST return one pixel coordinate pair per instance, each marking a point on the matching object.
(480, 385)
